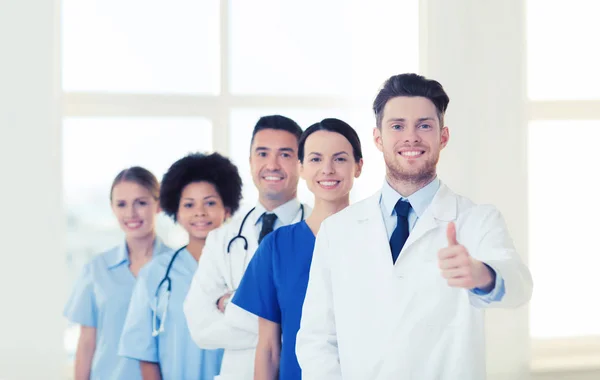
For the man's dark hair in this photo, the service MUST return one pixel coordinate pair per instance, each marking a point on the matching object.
(279, 123)
(411, 85)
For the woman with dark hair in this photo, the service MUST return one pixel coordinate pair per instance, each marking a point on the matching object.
(199, 192)
(101, 294)
(275, 282)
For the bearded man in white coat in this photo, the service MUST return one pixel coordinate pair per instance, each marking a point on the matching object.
(399, 282)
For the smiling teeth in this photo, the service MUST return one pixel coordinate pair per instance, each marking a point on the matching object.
(272, 178)
(411, 153)
(328, 183)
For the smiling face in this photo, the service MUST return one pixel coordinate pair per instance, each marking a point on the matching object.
(274, 166)
(411, 139)
(201, 209)
(135, 208)
(329, 167)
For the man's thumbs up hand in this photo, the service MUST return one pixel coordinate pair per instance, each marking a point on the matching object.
(459, 268)
(451, 234)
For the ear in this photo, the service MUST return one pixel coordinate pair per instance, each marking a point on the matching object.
(227, 213)
(377, 138)
(445, 137)
(359, 166)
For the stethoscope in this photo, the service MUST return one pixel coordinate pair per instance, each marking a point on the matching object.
(166, 279)
(240, 236)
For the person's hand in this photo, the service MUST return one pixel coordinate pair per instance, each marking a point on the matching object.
(459, 268)
(223, 301)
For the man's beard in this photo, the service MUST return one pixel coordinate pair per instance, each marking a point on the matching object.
(399, 174)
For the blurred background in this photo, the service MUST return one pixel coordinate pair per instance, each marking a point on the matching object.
(89, 87)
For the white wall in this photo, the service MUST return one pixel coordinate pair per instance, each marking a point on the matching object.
(32, 259)
(476, 51)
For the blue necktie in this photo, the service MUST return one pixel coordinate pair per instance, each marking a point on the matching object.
(400, 234)
(268, 222)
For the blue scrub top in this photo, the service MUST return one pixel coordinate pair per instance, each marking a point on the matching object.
(173, 349)
(100, 299)
(274, 287)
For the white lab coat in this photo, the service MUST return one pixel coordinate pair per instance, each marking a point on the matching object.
(365, 318)
(218, 273)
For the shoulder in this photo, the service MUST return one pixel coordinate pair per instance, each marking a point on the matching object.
(467, 208)
(476, 216)
(356, 210)
(285, 232)
(228, 229)
(162, 247)
(153, 272)
(103, 260)
(158, 263)
(285, 235)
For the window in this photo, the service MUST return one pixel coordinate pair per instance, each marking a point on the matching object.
(564, 103)
(563, 65)
(136, 46)
(146, 82)
(96, 149)
(563, 229)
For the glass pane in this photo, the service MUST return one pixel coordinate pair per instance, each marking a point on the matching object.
(317, 47)
(95, 150)
(242, 124)
(563, 228)
(138, 46)
(562, 60)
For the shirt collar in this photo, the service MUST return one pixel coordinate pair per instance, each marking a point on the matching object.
(419, 201)
(120, 254)
(286, 213)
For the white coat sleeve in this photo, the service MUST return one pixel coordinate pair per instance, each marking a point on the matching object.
(496, 249)
(316, 342)
(208, 327)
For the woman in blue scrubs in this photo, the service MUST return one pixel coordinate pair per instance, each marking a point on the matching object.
(101, 295)
(199, 192)
(274, 285)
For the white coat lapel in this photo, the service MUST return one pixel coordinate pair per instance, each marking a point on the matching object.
(370, 221)
(443, 209)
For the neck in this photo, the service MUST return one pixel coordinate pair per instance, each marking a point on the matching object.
(272, 204)
(195, 247)
(407, 187)
(141, 248)
(323, 209)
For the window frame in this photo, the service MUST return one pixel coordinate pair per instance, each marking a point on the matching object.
(549, 355)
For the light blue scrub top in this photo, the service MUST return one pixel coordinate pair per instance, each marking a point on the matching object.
(274, 287)
(100, 299)
(173, 349)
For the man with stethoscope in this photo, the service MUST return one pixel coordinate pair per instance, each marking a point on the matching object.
(212, 321)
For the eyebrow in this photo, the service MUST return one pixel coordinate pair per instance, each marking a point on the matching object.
(421, 119)
(136, 199)
(264, 148)
(206, 197)
(335, 154)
